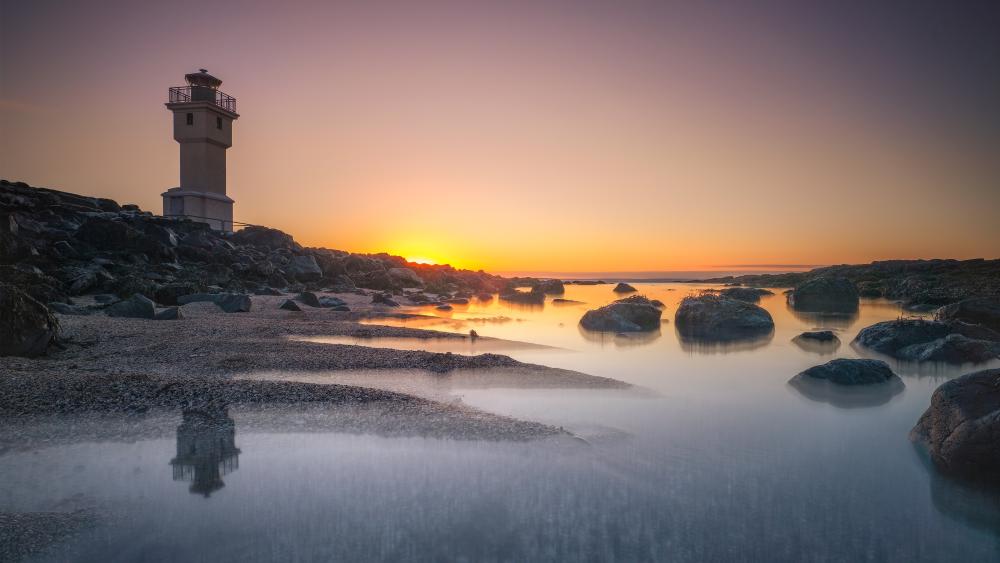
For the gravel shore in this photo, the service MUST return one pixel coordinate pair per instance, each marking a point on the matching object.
(133, 365)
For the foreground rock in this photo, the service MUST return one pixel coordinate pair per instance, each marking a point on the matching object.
(825, 295)
(634, 314)
(623, 287)
(27, 328)
(961, 428)
(748, 294)
(228, 302)
(918, 340)
(982, 311)
(713, 317)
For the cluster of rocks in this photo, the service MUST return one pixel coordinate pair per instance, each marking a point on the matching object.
(919, 340)
(919, 284)
(632, 314)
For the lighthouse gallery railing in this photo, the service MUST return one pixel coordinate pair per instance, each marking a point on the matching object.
(181, 94)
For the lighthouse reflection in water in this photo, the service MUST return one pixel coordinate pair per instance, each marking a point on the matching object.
(206, 449)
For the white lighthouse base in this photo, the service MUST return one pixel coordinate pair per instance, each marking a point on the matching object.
(206, 207)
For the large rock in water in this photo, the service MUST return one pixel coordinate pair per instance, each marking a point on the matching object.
(136, 307)
(625, 315)
(27, 328)
(228, 302)
(825, 295)
(961, 428)
(919, 340)
(715, 317)
(844, 371)
(981, 310)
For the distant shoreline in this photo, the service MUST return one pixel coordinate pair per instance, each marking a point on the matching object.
(653, 277)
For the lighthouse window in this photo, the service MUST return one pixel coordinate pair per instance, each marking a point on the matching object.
(190, 119)
(218, 123)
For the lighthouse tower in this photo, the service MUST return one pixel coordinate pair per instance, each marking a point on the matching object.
(203, 125)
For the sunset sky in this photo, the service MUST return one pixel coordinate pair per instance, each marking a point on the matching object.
(538, 136)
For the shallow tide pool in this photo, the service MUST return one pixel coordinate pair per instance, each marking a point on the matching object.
(718, 458)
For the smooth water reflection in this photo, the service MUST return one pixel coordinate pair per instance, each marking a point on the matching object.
(726, 461)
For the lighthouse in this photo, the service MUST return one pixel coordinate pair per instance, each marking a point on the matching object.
(203, 125)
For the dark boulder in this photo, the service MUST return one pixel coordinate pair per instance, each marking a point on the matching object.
(136, 307)
(748, 294)
(714, 317)
(623, 287)
(849, 383)
(405, 277)
(290, 305)
(27, 328)
(228, 302)
(625, 315)
(168, 293)
(825, 295)
(533, 297)
(303, 268)
(961, 428)
(844, 371)
(444, 307)
(919, 340)
(819, 336)
(309, 298)
(982, 311)
(551, 287)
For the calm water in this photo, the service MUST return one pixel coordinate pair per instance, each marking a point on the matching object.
(722, 460)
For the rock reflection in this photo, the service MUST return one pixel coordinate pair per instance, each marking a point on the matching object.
(824, 320)
(621, 339)
(847, 397)
(206, 449)
(820, 347)
(971, 503)
(724, 343)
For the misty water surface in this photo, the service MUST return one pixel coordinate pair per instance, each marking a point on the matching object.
(716, 458)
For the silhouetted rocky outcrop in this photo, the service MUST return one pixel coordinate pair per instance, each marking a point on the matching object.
(919, 284)
(57, 245)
